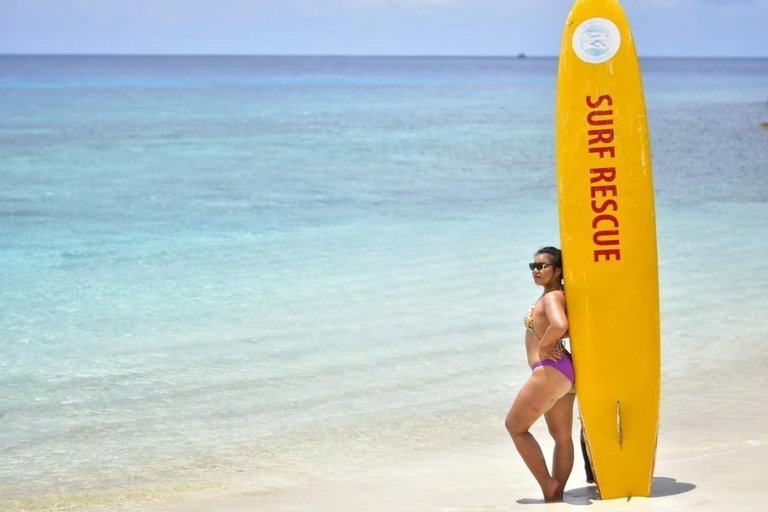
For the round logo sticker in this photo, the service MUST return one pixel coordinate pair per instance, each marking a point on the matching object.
(596, 40)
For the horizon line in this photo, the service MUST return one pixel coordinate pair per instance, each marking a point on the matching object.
(518, 56)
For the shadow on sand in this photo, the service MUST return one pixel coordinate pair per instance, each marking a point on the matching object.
(661, 487)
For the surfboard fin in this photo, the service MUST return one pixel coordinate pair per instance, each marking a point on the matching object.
(618, 425)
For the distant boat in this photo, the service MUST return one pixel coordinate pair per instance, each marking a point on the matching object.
(521, 55)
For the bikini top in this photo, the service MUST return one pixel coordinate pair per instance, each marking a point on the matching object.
(528, 318)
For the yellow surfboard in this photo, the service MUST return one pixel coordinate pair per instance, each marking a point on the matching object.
(608, 237)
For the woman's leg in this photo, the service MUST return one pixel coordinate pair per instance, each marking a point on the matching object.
(542, 390)
(560, 422)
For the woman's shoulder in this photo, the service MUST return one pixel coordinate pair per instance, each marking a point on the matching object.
(555, 296)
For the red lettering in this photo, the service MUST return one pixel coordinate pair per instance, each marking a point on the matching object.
(606, 254)
(606, 149)
(603, 135)
(605, 206)
(609, 218)
(603, 174)
(604, 189)
(605, 227)
(596, 122)
(595, 104)
(602, 237)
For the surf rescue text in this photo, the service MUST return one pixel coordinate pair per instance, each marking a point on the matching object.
(603, 190)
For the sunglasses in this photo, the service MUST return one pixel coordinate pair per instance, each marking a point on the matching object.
(539, 266)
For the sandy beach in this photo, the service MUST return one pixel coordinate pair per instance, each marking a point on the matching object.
(494, 479)
(712, 456)
(489, 479)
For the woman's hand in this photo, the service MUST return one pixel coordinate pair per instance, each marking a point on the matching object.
(553, 352)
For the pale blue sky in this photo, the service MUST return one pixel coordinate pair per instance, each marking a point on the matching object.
(367, 27)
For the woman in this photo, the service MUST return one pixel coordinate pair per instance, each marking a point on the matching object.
(548, 390)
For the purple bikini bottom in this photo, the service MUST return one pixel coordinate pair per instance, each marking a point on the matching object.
(564, 366)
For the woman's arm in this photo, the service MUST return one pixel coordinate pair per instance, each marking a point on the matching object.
(554, 309)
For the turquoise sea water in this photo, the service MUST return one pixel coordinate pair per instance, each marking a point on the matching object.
(256, 269)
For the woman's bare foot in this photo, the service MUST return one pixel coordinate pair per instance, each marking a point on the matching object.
(559, 492)
(551, 491)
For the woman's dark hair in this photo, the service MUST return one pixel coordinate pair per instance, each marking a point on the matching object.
(555, 257)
